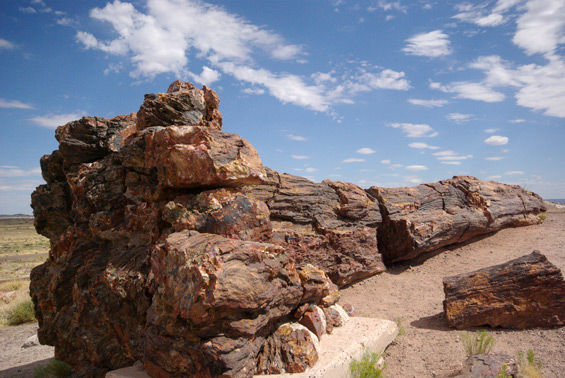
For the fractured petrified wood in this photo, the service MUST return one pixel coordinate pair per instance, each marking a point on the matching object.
(525, 292)
(429, 216)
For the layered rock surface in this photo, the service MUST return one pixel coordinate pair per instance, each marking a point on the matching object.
(526, 292)
(430, 216)
(173, 245)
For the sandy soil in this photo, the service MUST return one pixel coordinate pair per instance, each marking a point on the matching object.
(414, 293)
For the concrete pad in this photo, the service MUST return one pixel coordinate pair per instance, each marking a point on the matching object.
(335, 353)
(345, 344)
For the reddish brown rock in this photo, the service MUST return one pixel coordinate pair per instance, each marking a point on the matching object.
(349, 309)
(429, 216)
(291, 349)
(336, 316)
(183, 104)
(223, 296)
(331, 224)
(522, 293)
(315, 320)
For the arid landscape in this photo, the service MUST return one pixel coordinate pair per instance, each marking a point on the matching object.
(411, 292)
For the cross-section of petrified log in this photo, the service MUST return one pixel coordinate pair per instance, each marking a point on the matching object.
(525, 292)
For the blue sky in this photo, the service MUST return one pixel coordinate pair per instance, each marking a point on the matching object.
(386, 93)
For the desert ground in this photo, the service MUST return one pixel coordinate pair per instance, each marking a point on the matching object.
(411, 292)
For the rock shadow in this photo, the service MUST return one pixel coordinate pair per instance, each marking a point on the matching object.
(401, 266)
(435, 322)
(23, 371)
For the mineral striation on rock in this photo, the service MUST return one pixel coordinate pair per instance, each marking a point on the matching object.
(429, 216)
(173, 245)
(525, 292)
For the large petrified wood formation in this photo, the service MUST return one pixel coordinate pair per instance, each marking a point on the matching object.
(525, 292)
(429, 216)
(172, 244)
(329, 224)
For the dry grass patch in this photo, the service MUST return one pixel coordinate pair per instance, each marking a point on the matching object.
(20, 309)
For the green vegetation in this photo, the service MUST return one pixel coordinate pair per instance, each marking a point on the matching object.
(529, 366)
(478, 343)
(54, 368)
(401, 329)
(367, 367)
(503, 373)
(20, 309)
(541, 218)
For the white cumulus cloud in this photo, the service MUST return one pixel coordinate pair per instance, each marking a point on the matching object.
(542, 27)
(459, 117)
(496, 140)
(353, 160)
(297, 138)
(366, 151)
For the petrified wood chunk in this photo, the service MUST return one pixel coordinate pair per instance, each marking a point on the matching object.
(525, 292)
(430, 216)
(488, 366)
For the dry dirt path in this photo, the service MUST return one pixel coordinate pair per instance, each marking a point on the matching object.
(414, 293)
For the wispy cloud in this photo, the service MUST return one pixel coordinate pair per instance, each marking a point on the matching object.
(161, 39)
(432, 44)
(481, 14)
(497, 140)
(353, 160)
(428, 103)
(299, 157)
(297, 138)
(4, 44)
(416, 168)
(54, 120)
(366, 151)
(514, 173)
(385, 162)
(494, 158)
(518, 120)
(459, 117)
(10, 171)
(491, 131)
(413, 130)
(449, 155)
(419, 145)
(471, 91)
(14, 104)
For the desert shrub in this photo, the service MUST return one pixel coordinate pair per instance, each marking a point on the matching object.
(367, 367)
(21, 313)
(503, 373)
(541, 218)
(477, 343)
(529, 366)
(401, 329)
(54, 368)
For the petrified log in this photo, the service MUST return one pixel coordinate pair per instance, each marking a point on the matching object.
(525, 292)
(330, 224)
(173, 245)
(429, 216)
